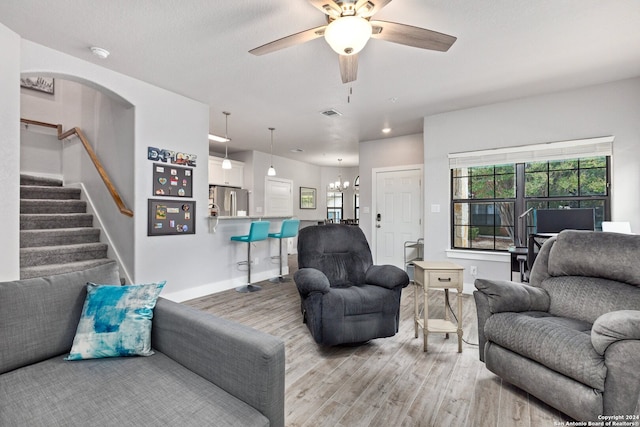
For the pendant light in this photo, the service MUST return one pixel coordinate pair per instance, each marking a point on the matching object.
(271, 171)
(226, 163)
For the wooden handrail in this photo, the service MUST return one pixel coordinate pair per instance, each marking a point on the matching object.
(92, 155)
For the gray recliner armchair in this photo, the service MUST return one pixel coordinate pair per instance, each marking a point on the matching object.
(345, 298)
(571, 337)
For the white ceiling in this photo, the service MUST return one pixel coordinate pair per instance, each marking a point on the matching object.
(506, 49)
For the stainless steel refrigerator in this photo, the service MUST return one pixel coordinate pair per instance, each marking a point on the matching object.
(228, 201)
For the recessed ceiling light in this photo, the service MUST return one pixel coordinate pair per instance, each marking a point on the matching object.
(386, 130)
(297, 150)
(99, 52)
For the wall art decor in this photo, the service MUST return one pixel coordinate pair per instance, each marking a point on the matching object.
(41, 84)
(307, 198)
(170, 156)
(172, 181)
(171, 217)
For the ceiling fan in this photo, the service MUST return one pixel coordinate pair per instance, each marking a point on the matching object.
(349, 28)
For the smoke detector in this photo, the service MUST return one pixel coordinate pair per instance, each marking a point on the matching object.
(99, 52)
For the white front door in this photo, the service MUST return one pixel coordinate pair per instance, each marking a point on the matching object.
(398, 213)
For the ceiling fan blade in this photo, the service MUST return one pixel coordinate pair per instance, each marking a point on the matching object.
(292, 40)
(349, 68)
(367, 8)
(411, 36)
(329, 7)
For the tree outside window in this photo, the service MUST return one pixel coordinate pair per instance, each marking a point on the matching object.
(486, 200)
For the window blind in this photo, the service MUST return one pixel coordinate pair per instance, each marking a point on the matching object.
(562, 150)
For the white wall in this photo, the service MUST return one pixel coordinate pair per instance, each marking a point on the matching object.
(607, 109)
(40, 152)
(10, 143)
(302, 174)
(382, 153)
(108, 123)
(40, 148)
(162, 119)
(64, 106)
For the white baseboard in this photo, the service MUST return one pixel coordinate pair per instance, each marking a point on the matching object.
(104, 234)
(212, 288)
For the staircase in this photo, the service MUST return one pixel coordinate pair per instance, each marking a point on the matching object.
(56, 232)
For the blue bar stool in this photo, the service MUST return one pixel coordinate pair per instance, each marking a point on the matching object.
(259, 231)
(289, 229)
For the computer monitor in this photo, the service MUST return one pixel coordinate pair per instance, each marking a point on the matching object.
(556, 220)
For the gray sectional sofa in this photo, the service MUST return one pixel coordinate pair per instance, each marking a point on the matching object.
(205, 370)
(571, 337)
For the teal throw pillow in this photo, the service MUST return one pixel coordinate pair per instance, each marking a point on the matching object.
(115, 321)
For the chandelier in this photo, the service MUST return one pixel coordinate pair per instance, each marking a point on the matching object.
(339, 186)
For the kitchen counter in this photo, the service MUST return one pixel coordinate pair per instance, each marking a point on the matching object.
(264, 266)
(253, 218)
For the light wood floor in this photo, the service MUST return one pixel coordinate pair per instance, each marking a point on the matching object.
(386, 382)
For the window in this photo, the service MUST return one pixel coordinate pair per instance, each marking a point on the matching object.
(488, 200)
(484, 207)
(334, 206)
(573, 183)
(356, 198)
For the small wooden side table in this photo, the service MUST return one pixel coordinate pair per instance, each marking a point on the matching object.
(437, 275)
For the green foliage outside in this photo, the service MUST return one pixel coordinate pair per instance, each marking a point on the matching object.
(584, 177)
(554, 179)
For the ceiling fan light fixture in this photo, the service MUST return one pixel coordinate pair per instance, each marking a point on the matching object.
(348, 35)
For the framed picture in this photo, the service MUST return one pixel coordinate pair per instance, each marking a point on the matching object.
(307, 198)
(172, 181)
(171, 217)
(41, 84)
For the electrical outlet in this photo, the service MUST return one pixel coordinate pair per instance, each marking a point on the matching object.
(473, 270)
(256, 261)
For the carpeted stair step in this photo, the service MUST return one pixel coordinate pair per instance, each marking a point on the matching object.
(56, 233)
(46, 192)
(51, 206)
(51, 269)
(42, 255)
(48, 221)
(58, 236)
(39, 180)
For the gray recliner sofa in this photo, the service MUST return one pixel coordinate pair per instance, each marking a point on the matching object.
(345, 298)
(205, 370)
(571, 337)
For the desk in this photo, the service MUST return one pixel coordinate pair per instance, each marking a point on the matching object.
(437, 275)
(519, 262)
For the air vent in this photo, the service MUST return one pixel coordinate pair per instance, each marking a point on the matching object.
(331, 112)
